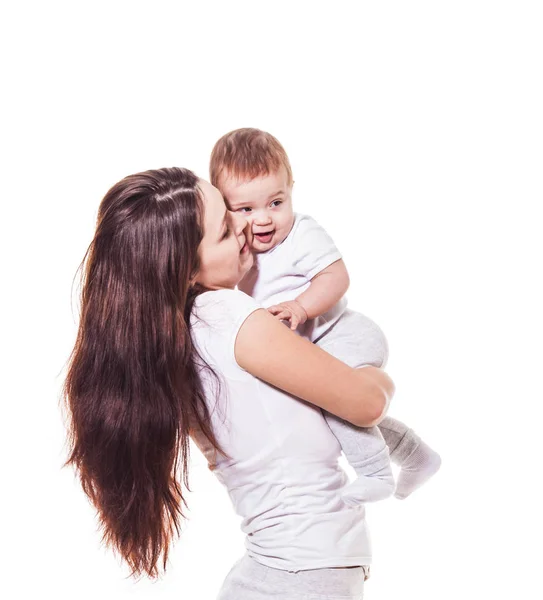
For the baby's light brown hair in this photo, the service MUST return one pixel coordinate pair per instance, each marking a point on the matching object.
(246, 154)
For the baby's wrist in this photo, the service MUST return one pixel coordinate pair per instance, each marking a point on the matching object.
(303, 308)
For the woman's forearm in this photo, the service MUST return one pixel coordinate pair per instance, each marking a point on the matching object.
(385, 387)
(270, 351)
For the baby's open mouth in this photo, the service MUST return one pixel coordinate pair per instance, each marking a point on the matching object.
(265, 237)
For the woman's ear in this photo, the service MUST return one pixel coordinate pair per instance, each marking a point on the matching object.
(195, 279)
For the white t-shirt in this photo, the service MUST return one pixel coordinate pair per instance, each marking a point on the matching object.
(285, 271)
(283, 475)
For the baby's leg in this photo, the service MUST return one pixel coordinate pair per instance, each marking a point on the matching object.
(357, 341)
(364, 447)
(367, 453)
(417, 460)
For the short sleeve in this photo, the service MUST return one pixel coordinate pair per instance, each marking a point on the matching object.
(218, 316)
(313, 248)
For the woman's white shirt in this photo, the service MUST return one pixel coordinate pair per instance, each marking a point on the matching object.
(283, 475)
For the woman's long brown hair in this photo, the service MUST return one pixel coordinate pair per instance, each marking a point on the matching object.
(132, 389)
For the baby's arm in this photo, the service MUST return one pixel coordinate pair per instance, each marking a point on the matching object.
(325, 291)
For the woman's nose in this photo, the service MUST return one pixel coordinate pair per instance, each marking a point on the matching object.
(240, 223)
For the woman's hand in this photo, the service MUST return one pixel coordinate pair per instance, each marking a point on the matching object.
(291, 311)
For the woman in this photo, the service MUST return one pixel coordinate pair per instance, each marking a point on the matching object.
(167, 348)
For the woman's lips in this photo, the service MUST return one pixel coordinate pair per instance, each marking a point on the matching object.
(266, 237)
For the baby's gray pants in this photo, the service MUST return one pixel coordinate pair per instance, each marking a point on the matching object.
(356, 340)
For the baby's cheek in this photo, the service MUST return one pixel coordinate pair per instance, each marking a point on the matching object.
(287, 221)
(283, 233)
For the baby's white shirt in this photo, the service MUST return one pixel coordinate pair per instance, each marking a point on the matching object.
(285, 272)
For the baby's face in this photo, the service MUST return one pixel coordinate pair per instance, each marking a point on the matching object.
(266, 203)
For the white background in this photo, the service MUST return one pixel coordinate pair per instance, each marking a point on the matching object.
(415, 132)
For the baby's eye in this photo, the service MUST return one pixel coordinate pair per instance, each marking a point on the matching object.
(226, 233)
(245, 209)
(277, 202)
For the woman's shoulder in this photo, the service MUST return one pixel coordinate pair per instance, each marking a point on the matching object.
(224, 297)
(225, 306)
(217, 316)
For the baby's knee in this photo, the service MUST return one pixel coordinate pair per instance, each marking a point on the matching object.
(374, 345)
(382, 347)
(357, 341)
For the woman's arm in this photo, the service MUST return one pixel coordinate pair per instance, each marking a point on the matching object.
(270, 351)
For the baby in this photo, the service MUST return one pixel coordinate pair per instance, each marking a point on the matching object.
(299, 275)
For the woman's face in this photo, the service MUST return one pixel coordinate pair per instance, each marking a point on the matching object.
(224, 250)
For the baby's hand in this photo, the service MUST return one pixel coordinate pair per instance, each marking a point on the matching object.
(291, 311)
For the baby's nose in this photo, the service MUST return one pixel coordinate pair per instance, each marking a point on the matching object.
(261, 219)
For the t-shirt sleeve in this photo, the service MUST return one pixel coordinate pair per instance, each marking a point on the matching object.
(225, 312)
(242, 306)
(313, 248)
